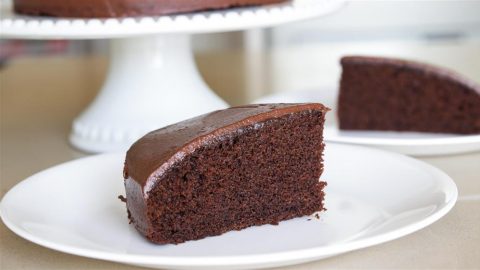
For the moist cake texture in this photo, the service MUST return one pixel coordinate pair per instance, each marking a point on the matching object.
(398, 95)
(124, 8)
(226, 170)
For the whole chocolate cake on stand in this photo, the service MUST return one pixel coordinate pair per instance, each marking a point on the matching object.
(124, 8)
(152, 80)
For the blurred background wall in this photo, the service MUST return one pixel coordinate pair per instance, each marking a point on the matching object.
(242, 66)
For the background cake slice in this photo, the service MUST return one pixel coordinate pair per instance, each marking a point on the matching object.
(226, 170)
(398, 95)
(124, 8)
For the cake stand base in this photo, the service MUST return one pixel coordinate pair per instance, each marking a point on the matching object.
(152, 82)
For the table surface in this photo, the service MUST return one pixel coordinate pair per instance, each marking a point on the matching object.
(38, 105)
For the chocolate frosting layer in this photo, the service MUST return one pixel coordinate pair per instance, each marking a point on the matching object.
(124, 8)
(413, 65)
(153, 154)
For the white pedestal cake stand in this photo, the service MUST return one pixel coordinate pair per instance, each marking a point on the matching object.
(152, 80)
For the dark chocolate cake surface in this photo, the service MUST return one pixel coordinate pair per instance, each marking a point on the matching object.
(124, 8)
(397, 95)
(226, 170)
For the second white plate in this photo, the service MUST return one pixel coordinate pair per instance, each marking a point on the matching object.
(373, 196)
(410, 143)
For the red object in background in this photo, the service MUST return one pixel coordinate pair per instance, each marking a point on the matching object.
(13, 48)
(56, 46)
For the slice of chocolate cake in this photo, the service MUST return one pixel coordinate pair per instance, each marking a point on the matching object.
(397, 95)
(226, 170)
(124, 8)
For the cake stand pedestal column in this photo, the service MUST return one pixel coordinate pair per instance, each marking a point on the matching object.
(149, 78)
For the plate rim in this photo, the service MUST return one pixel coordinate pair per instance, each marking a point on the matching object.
(307, 254)
(456, 139)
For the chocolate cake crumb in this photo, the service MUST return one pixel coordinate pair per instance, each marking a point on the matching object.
(123, 199)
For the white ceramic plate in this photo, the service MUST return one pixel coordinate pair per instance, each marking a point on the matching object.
(373, 196)
(410, 143)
